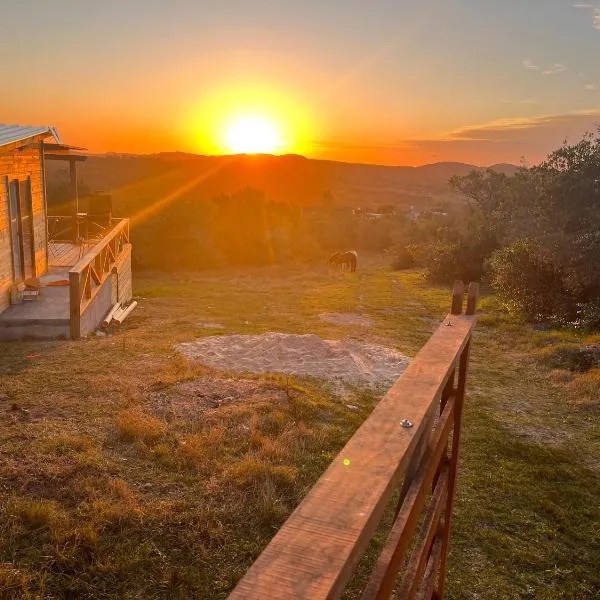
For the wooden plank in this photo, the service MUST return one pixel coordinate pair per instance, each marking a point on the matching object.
(314, 553)
(97, 248)
(97, 279)
(74, 305)
(460, 395)
(427, 589)
(383, 577)
(429, 529)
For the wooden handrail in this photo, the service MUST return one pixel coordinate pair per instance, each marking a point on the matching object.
(406, 440)
(88, 275)
(121, 228)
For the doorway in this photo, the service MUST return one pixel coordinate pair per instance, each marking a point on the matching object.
(21, 228)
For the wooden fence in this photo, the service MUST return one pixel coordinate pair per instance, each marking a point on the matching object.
(88, 275)
(407, 449)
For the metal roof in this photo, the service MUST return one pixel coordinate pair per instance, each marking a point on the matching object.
(17, 133)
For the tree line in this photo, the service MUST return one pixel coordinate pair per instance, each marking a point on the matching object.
(533, 236)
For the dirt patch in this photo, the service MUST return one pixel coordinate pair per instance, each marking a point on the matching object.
(345, 362)
(184, 401)
(347, 319)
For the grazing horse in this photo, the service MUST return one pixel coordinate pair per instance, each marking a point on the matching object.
(345, 260)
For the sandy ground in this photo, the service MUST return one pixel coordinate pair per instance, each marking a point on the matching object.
(347, 319)
(345, 362)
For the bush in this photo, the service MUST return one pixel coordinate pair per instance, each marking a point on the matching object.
(447, 261)
(527, 279)
(571, 357)
(402, 258)
(588, 316)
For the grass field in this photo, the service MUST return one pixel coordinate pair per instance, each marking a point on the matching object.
(117, 481)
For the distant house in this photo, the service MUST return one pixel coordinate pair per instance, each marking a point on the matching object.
(59, 274)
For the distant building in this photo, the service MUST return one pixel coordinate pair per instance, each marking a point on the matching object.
(59, 274)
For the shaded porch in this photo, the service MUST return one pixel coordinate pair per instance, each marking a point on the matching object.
(78, 289)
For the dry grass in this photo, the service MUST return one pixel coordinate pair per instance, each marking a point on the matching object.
(135, 473)
(585, 388)
(138, 425)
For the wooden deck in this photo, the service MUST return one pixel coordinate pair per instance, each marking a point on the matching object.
(65, 254)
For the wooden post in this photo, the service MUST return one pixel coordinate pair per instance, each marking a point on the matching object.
(74, 198)
(458, 406)
(458, 292)
(74, 305)
(472, 297)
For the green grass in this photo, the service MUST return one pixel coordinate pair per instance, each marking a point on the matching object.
(109, 490)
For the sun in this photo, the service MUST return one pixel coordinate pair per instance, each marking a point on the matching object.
(252, 135)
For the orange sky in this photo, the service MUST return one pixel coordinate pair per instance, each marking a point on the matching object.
(381, 82)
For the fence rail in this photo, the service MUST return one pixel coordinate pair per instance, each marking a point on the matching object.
(94, 268)
(85, 229)
(409, 446)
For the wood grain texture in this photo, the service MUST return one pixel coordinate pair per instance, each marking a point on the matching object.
(425, 538)
(315, 552)
(382, 580)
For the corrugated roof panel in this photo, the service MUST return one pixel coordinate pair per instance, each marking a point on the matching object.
(17, 133)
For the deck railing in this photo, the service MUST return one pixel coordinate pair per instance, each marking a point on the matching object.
(85, 229)
(407, 449)
(94, 268)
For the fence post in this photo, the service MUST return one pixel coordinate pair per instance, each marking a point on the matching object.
(74, 305)
(459, 395)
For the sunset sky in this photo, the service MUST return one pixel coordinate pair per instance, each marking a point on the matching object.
(383, 81)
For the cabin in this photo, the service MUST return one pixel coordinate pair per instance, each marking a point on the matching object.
(60, 274)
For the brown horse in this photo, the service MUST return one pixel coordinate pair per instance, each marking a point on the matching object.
(345, 260)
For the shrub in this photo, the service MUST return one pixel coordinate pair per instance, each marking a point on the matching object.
(528, 280)
(588, 316)
(402, 258)
(572, 357)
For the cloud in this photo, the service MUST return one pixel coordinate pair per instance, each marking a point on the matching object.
(529, 65)
(590, 86)
(555, 68)
(501, 140)
(528, 101)
(595, 8)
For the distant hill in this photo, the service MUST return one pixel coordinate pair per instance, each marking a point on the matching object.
(135, 179)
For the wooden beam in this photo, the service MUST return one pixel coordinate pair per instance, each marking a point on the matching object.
(74, 196)
(75, 305)
(65, 156)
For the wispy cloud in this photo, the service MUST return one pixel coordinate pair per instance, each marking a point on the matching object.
(590, 86)
(528, 101)
(595, 8)
(529, 65)
(499, 129)
(501, 140)
(555, 68)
